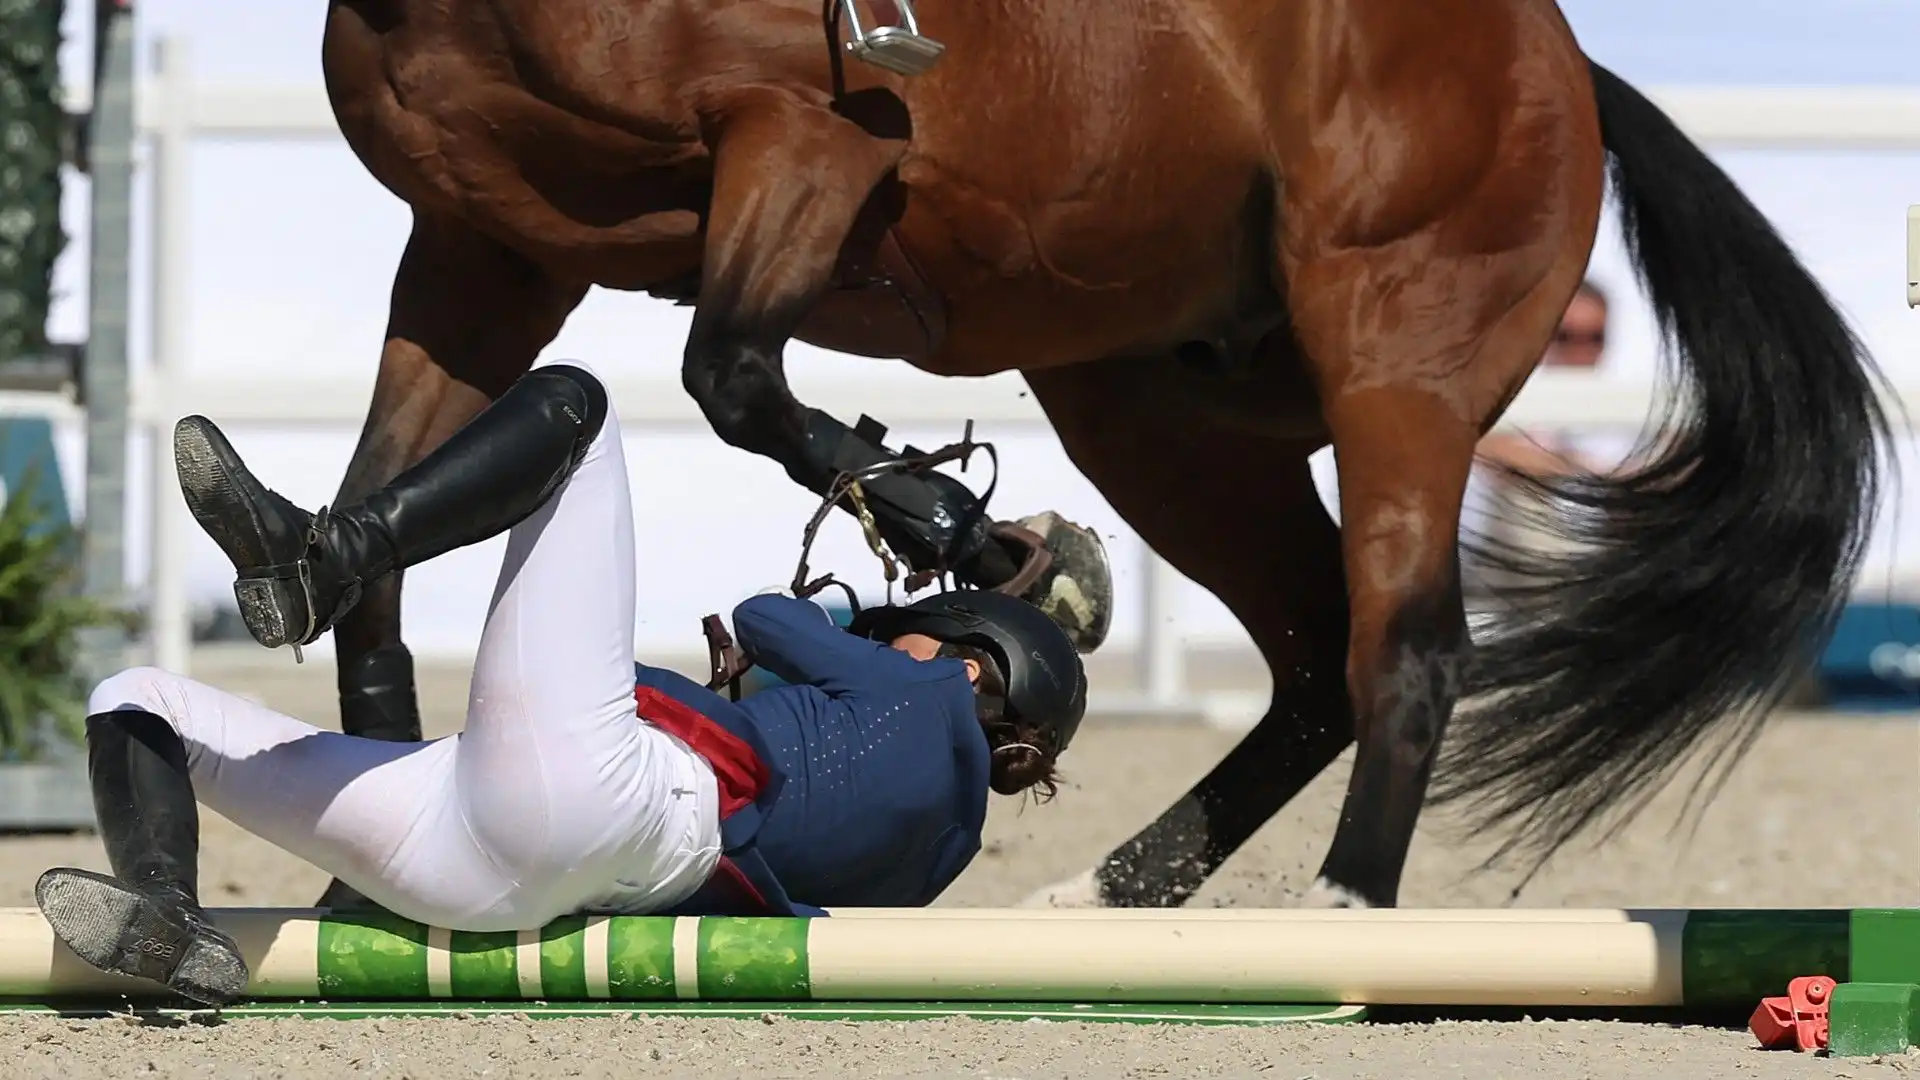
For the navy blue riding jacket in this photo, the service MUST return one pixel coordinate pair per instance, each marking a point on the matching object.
(860, 783)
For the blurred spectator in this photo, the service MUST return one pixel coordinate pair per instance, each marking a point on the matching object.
(1580, 341)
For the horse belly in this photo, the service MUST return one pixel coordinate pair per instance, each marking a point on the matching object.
(879, 320)
(1116, 273)
(1100, 219)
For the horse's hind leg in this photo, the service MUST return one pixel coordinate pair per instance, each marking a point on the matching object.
(1269, 551)
(1409, 378)
(1403, 459)
(467, 318)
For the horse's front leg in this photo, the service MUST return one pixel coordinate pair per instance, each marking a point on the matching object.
(790, 178)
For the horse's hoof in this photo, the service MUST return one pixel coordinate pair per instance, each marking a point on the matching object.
(1080, 891)
(1325, 895)
(1077, 590)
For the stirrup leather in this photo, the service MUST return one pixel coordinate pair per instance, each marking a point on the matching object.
(900, 49)
(349, 592)
(301, 571)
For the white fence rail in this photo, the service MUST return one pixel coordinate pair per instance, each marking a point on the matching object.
(173, 111)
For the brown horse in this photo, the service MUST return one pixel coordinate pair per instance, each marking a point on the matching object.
(1214, 235)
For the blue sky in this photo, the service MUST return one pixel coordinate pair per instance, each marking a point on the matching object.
(293, 246)
(1670, 41)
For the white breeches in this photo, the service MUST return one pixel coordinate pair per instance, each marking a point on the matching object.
(556, 798)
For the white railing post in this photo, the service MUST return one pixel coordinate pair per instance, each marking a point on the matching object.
(1162, 646)
(1913, 256)
(170, 617)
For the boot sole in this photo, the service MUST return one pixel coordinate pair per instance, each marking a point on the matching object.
(115, 929)
(209, 472)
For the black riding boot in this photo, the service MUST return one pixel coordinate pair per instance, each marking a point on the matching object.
(300, 572)
(145, 920)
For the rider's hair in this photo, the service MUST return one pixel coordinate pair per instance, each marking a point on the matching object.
(1023, 755)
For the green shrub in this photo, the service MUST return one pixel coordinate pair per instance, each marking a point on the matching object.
(33, 126)
(42, 615)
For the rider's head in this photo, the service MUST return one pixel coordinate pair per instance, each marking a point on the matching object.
(1030, 688)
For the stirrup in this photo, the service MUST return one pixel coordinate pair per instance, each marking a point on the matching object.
(300, 573)
(349, 595)
(900, 49)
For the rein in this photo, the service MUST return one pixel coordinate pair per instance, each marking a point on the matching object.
(728, 662)
(836, 60)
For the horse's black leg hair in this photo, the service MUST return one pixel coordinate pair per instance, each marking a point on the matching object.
(1423, 659)
(1164, 864)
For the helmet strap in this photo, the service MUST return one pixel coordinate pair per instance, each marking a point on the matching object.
(1017, 746)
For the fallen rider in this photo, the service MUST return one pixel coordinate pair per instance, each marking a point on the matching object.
(863, 782)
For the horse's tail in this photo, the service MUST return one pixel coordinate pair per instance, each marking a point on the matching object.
(1700, 584)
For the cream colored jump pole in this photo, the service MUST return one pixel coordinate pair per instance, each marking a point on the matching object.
(1602, 958)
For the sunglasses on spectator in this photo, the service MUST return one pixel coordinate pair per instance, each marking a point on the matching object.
(1595, 338)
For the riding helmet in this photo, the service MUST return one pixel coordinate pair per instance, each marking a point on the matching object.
(1046, 683)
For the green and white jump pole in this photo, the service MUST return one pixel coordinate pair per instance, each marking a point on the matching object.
(1599, 958)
